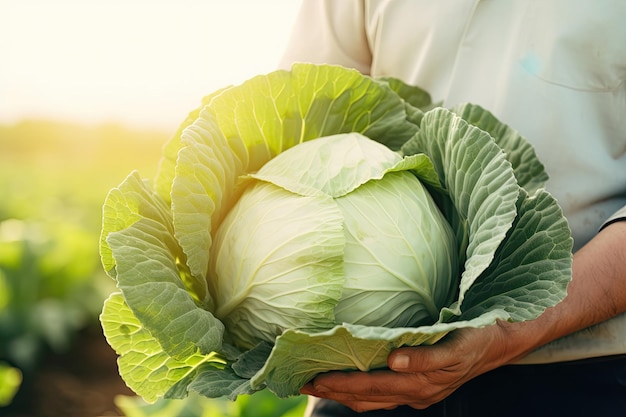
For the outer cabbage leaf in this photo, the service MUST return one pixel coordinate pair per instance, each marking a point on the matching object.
(418, 100)
(143, 364)
(532, 267)
(167, 165)
(152, 275)
(203, 190)
(334, 165)
(529, 171)
(412, 94)
(131, 201)
(298, 356)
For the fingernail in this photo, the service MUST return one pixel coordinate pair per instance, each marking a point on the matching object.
(400, 362)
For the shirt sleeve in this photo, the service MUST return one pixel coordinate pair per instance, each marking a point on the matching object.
(619, 215)
(329, 32)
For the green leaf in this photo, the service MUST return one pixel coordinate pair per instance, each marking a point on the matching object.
(333, 165)
(147, 275)
(143, 364)
(299, 356)
(480, 184)
(271, 113)
(250, 362)
(417, 100)
(532, 268)
(529, 171)
(10, 381)
(414, 95)
(203, 190)
(338, 100)
(167, 165)
(131, 201)
(214, 383)
(152, 275)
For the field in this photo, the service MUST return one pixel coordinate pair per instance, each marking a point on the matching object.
(53, 180)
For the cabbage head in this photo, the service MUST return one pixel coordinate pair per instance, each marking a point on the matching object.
(314, 220)
(332, 230)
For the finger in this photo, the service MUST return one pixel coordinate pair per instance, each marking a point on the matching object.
(360, 384)
(375, 386)
(386, 388)
(308, 389)
(422, 358)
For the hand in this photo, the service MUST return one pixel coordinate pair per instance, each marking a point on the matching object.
(418, 376)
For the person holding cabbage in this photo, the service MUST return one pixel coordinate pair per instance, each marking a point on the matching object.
(557, 74)
(458, 257)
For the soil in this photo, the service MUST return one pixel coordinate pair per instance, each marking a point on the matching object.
(80, 383)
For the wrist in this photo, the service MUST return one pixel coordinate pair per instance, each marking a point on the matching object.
(521, 338)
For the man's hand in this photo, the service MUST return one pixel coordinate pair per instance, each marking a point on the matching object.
(418, 376)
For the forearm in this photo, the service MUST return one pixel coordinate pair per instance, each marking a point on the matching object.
(597, 293)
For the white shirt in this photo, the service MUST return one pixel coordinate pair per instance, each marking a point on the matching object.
(554, 70)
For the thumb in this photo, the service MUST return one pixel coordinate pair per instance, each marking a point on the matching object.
(416, 359)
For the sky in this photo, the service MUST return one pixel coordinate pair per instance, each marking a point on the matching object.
(141, 63)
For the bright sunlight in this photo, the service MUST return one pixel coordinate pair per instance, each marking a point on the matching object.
(142, 63)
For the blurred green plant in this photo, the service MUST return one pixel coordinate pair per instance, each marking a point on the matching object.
(10, 380)
(49, 291)
(259, 404)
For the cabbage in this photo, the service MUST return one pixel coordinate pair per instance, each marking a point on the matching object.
(314, 220)
(335, 230)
